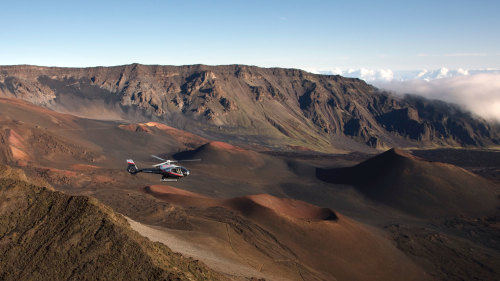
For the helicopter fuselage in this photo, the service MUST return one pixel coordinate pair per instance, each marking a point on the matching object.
(166, 170)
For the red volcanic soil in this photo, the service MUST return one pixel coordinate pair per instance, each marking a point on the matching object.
(179, 135)
(136, 128)
(418, 187)
(31, 108)
(290, 236)
(167, 189)
(17, 148)
(63, 172)
(38, 134)
(84, 167)
(283, 206)
(15, 139)
(18, 154)
(101, 179)
(179, 196)
(226, 146)
(217, 150)
(231, 162)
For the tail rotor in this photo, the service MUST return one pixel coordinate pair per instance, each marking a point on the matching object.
(131, 168)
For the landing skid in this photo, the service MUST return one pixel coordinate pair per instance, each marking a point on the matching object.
(168, 179)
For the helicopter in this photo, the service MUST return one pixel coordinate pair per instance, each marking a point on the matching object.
(169, 171)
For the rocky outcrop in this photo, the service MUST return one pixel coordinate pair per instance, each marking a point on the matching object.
(268, 106)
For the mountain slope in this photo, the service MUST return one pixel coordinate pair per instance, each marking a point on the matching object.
(274, 107)
(296, 239)
(46, 235)
(421, 188)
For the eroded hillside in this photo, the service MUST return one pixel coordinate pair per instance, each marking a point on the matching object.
(47, 235)
(272, 107)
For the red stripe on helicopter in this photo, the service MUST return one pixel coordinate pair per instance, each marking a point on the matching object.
(179, 175)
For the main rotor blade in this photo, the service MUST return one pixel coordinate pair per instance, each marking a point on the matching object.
(159, 158)
(189, 160)
(166, 162)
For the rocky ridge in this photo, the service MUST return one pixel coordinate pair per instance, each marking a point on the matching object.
(266, 106)
(47, 235)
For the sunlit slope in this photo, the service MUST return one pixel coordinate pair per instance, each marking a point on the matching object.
(295, 238)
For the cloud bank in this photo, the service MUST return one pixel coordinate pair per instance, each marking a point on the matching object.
(364, 73)
(385, 75)
(479, 93)
(476, 90)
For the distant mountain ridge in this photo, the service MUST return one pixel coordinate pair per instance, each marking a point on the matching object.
(280, 108)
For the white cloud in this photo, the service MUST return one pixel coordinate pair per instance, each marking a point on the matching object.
(462, 71)
(371, 75)
(312, 70)
(336, 71)
(479, 93)
(477, 90)
(386, 74)
(443, 73)
(367, 74)
(422, 73)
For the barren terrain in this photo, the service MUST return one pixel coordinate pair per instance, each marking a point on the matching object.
(257, 205)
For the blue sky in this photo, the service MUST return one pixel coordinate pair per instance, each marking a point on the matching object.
(397, 35)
